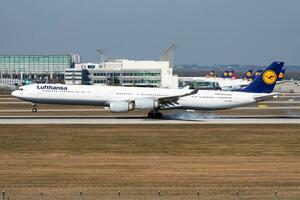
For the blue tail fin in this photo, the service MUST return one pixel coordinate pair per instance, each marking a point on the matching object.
(281, 75)
(266, 81)
(248, 74)
(257, 73)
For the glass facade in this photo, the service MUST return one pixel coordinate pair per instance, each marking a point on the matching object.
(139, 74)
(130, 77)
(203, 85)
(34, 64)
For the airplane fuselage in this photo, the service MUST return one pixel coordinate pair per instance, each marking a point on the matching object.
(104, 95)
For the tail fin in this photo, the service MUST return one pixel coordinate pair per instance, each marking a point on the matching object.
(281, 75)
(211, 74)
(266, 81)
(248, 75)
(257, 73)
(225, 74)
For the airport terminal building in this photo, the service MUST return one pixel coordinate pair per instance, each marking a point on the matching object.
(35, 67)
(125, 73)
(20, 69)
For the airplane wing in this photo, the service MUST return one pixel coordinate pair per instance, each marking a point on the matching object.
(175, 98)
(170, 102)
(266, 97)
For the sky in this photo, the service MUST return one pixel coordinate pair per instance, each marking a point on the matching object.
(206, 31)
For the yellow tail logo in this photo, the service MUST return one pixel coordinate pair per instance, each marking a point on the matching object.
(269, 77)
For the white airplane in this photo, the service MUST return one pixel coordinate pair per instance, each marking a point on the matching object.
(226, 84)
(229, 84)
(124, 99)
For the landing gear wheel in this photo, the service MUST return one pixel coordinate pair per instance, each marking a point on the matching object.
(34, 109)
(153, 114)
(159, 115)
(150, 115)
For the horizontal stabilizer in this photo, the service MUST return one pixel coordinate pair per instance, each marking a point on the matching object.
(266, 97)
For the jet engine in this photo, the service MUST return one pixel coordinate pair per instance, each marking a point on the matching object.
(120, 106)
(146, 103)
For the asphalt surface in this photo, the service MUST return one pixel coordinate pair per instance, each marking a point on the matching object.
(52, 115)
(168, 119)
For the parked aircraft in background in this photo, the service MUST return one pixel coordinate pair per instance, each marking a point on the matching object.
(230, 82)
(226, 84)
(124, 99)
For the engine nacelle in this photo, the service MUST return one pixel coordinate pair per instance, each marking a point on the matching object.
(146, 103)
(120, 106)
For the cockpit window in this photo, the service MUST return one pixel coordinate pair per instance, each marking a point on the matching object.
(21, 89)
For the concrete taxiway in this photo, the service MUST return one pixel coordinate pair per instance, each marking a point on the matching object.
(169, 119)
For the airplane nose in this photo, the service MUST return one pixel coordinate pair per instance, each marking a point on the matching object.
(14, 93)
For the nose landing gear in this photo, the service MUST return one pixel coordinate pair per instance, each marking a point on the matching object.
(34, 109)
(155, 114)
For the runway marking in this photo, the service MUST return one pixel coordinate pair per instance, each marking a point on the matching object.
(223, 119)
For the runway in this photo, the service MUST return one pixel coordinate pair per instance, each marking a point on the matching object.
(282, 111)
(136, 119)
(260, 107)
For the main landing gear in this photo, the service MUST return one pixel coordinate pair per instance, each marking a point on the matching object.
(34, 109)
(155, 114)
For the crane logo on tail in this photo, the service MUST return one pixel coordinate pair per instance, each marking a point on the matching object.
(280, 75)
(269, 77)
